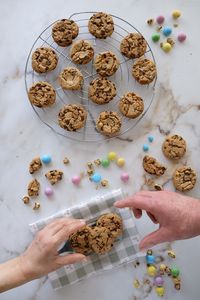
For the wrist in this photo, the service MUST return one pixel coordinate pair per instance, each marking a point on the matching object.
(26, 268)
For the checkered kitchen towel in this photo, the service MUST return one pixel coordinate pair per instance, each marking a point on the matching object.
(125, 249)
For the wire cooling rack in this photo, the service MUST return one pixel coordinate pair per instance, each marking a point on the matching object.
(122, 78)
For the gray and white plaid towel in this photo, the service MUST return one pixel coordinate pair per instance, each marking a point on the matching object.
(125, 249)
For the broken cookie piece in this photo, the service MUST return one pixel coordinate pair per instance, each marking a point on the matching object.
(33, 188)
(54, 176)
(35, 165)
(152, 166)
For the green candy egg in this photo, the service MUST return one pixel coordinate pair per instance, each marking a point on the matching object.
(155, 37)
(105, 163)
(175, 272)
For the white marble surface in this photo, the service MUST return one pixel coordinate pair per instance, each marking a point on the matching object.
(176, 109)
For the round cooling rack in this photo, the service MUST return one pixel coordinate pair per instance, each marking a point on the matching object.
(122, 78)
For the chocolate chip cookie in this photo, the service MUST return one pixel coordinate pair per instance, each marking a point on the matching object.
(33, 188)
(44, 60)
(109, 123)
(71, 79)
(112, 222)
(101, 90)
(101, 240)
(35, 165)
(152, 166)
(184, 179)
(64, 31)
(42, 94)
(101, 25)
(174, 147)
(133, 45)
(80, 240)
(54, 176)
(106, 63)
(72, 117)
(144, 71)
(131, 105)
(82, 52)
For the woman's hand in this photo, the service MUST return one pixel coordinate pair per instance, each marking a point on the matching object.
(42, 257)
(178, 216)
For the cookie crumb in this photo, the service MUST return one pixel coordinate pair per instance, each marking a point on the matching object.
(35, 165)
(104, 183)
(97, 162)
(66, 161)
(26, 199)
(150, 22)
(33, 188)
(36, 206)
(54, 176)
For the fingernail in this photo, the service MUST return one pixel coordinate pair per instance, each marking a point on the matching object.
(84, 259)
(116, 203)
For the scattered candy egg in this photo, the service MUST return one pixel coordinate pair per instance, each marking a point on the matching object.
(150, 138)
(46, 159)
(181, 37)
(176, 14)
(175, 272)
(150, 259)
(96, 177)
(125, 177)
(166, 47)
(121, 162)
(158, 280)
(160, 19)
(145, 148)
(105, 163)
(160, 291)
(155, 37)
(167, 31)
(48, 191)
(76, 179)
(112, 155)
(151, 270)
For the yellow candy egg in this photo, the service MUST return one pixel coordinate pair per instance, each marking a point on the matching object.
(176, 14)
(166, 47)
(160, 291)
(121, 162)
(151, 271)
(112, 155)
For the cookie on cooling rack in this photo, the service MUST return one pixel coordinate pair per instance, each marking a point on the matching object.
(101, 25)
(106, 63)
(64, 31)
(42, 94)
(81, 52)
(144, 70)
(109, 123)
(133, 45)
(131, 105)
(44, 60)
(71, 79)
(101, 90)
(72, 117)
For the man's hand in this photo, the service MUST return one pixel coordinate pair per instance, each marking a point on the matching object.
(178, 216)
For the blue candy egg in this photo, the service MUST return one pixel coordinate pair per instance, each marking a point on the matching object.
(145, 147)
(167, 31)
(46, 159)
(150, 259)
(96, 177)
(150, 138)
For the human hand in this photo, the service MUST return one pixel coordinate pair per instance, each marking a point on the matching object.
(41, 257)
(178, 216)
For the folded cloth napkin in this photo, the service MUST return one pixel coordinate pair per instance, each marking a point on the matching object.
(124, 251)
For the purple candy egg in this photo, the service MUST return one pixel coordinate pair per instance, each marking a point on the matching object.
(182, 37)
(48, 191)
(159, 281)
(160, 19)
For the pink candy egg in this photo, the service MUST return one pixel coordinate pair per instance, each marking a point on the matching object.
(125, 177)
(182, 37)
(76, 179)
(48, 191)
(160, 19)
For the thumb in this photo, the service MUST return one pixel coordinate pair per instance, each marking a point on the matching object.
(157, 237)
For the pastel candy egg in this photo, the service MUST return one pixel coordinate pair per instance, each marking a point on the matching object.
(112, 155)
(46, 159)
(176, 14)
(76, 179)
(145, 148)
(160, 19)
(105, 163)
(96, 177)
(150, 259)
(160, 291)
(124, 177)
(167, 47)
(151, 271)
(155, 37)
(48, 191)
(158, 280)
(175, 272)
(121, 162)
(167, 31)
(150, 138)
(182, 37)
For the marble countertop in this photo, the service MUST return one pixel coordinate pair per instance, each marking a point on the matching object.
(176, 109)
